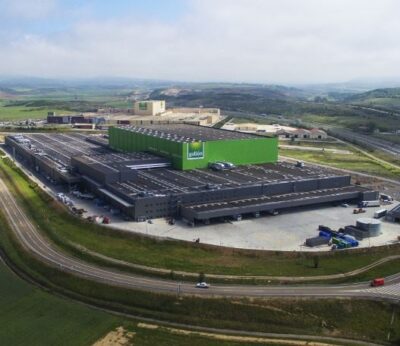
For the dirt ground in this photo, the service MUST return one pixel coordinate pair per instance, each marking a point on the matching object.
(223, 337)
(117, 337)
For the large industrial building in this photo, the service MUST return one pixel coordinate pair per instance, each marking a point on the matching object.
(191, 146)
(161, 171)
(141, 113)
(150, 107)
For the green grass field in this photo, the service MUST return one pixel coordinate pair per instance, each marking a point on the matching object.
(15, 113)
(63, 229)
(356, 161)
(387, 103)
(327, 144)
(31, 316)
(351, 121)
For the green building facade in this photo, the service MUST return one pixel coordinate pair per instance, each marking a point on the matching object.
(199, 154)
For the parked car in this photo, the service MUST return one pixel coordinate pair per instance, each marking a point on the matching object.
(202, 285)
(226, 165)
(216, 166)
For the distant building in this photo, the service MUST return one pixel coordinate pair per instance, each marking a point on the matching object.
(69, 119)
(318, 134)
(283, 132)
(149, 107)
(301, 134)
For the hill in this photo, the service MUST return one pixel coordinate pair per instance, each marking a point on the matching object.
(376, 93)
(387, 99)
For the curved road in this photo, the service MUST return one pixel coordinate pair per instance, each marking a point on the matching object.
(34, 242)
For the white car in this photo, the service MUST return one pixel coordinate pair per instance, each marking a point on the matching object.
(202, 285)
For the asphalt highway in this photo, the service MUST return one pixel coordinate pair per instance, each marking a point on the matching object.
(369, 141)
(34, 242)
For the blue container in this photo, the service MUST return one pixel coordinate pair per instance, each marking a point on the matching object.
(325, 234)
(353, 242)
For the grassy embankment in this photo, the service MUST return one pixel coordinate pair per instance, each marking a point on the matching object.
(356, 161)
(314, 317)
(32, 316)
(64, 229)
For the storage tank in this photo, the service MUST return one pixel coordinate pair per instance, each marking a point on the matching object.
(372, 226)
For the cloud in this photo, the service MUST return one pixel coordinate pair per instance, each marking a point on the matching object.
(282, 41)
(27, 9)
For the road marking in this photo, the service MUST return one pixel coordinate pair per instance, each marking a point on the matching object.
(392, 290)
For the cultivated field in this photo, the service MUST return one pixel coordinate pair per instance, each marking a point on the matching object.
(18, 113)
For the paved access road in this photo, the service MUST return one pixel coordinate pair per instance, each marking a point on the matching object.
(33, 241)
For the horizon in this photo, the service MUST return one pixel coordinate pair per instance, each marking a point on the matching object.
(368, 84)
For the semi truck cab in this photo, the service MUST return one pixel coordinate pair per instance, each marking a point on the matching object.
(377, 282)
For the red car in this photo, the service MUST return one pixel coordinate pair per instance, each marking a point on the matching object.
(377, 282)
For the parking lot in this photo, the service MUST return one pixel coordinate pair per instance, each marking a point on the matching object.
(286, 232)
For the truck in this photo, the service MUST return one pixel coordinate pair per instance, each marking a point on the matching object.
(341, 243)
(365, 204)
(386, 198)
(377, 282)
(359, 211)
(380, 213)
(351, 240)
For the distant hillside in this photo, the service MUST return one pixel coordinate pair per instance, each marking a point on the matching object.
(387, 99)
(270, 91)
(375, 94)
(269, 99)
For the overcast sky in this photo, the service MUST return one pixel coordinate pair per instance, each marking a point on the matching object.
(271, 41)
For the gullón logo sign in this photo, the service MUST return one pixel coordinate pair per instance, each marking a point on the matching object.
(143, 106)
(195, 151)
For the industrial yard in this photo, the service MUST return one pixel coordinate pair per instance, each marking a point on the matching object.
(136, 177)
(286, 232)
(258, 203)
